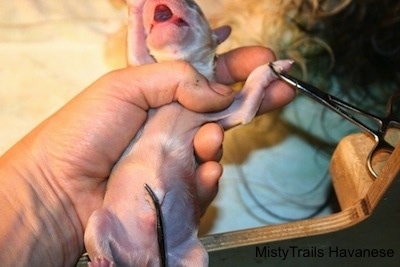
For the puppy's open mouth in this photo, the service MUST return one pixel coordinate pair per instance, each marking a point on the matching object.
(163, 13)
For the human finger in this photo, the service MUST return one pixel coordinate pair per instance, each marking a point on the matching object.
(208, 143)
(207, 178)
(236, 65)
(154, 85)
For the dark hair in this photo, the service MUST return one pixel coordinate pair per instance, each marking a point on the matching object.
(363, 37)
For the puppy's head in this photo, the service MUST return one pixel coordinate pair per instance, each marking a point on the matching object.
(178, 30)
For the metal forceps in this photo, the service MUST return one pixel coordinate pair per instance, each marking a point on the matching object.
(341, 107)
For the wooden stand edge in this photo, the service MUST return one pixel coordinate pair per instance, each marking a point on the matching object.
(357, 193)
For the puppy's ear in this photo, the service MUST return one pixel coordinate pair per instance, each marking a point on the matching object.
(222, 33)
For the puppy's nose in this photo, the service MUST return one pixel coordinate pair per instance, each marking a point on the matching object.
(162, 13)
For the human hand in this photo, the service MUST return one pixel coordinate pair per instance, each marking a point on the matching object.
(63, 165)
(232, 67)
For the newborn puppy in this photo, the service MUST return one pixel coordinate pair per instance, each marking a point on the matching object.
(123, 231)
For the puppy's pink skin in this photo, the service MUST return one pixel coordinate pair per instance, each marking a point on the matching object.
(123, 231)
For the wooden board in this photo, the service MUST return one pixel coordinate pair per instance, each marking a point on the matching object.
(369, 219)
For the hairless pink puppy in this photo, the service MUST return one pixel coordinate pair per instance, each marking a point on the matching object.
(161, 157)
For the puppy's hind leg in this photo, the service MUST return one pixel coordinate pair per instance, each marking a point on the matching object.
(97, 238)
(248, 101)
(106, 240)
(100, 262)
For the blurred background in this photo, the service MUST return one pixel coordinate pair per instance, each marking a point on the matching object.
(276, 168)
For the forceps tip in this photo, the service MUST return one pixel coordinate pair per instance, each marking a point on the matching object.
(277, 70)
